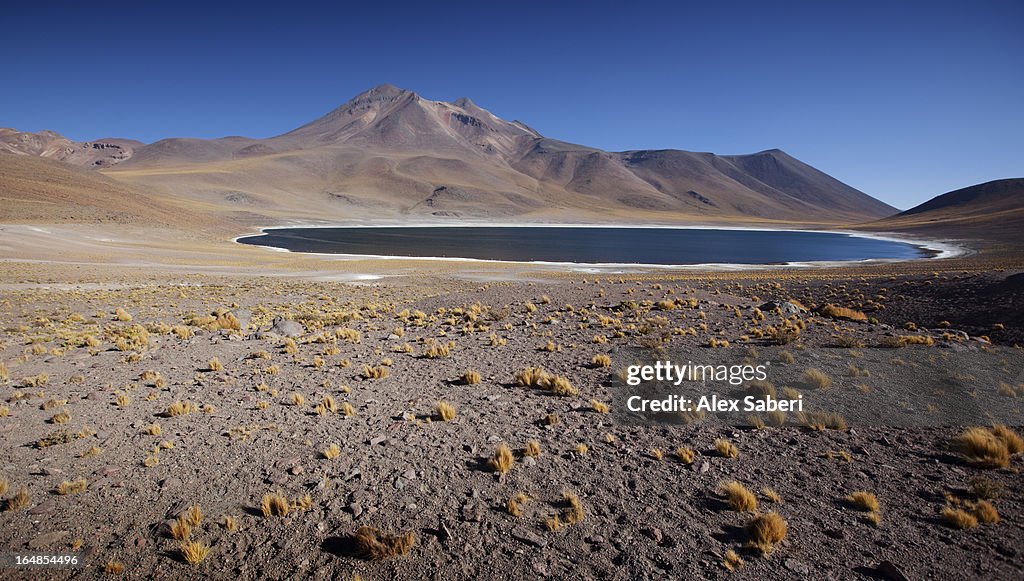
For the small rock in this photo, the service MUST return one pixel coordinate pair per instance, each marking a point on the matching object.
(529, 538)
(378, 440)
(45, 507)
(355, 508)
(170, 483)
(296, 470)
(705, 466)
(286, 327)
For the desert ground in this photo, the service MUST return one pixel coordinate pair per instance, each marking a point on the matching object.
(296, 400)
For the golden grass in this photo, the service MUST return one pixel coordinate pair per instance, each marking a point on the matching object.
(274, 504)
(378, 372)
(71, 487)
(732, 561)
(837, 312)
(331, 452)
(532, 449)
(771, 495)
(215, 365)
(582, 449)
(864, 501)
(375, 545)
(726, 449)
(5, 485)
(471, 377)
(601, 361)
(816, 378)
(1014, 443)
(297, 399)
(765, 531)
(179, 409)
(599, 406)
(229, 523)
(514, 506)
(445, 410)
(194, 552)
(574, 513)
(180, 529)
(959, 518)
(20, 500)
(347, 410)
(983, 448)
(113, 568)
(738, 497)
(502, 460)
(62, 417)
(685, 455)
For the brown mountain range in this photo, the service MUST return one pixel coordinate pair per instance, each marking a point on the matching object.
(389, 153)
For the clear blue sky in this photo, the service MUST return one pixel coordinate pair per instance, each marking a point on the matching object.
(903, 100)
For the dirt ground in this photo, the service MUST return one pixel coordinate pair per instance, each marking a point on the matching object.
(95, 356)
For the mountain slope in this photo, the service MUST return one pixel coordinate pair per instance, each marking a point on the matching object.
(992, 210)
(389, 153)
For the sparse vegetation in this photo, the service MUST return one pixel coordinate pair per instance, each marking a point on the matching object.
(275, 504)
(502, 460)
(765, 531)
(726, 449)
(738, 497)
(445, 411)
(375, 545)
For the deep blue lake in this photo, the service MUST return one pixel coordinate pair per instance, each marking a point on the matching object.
(675, 246)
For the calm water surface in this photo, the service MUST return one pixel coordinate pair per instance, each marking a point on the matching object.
(677, 246)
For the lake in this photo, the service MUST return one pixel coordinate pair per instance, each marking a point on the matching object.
(632, 245)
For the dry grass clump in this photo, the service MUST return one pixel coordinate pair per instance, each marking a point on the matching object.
(122, 315)
(765, 531)
(71, 487)
(437, 350)
(378, 372)
(153, 429)
(215, 365)
(817, 379)
(514, 506)
(582, 449)
(599, 406)
(837, 312)
(180, 529)
(275, 504)
(502, 460)
(732, 561)
(574, 513)
(347, 410)
(20, 500)
(375, 545)
(984, 448)
(179, 409)
(61, 417)
(194, 552)
(298, 400)
(230, 523)
(471, 377)
(532, 449)
(1014, 443)
(537, 377)
(445, 410)
(959, 518)
(331, 452)
(601, 361)
(113, 568)
(726, 449)
(985, 512)
(685, 455)
(864, 501)
(738, 497)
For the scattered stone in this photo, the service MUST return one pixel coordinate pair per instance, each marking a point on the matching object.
(47, 539)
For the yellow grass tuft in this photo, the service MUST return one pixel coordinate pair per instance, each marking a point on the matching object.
(574, 513)
(514, 506)
(446, 411)
(71, 487)
(959, 518)
(194, 552)
(983, 448)
(599, 406)
(817, 379)
(378, 372)
(180, 529)
(601, 361)
(685, 455)
(215, 365)
(771, 495)
(532, 449)
(732, 561)
(113, 568)
(20, 500)
(765, 531)
(726, 449)
(179, 409)
(739, 497)
(274, 504)
(985, 512)
(502, 460)
(864, 500)
(331, 452)
(62, 417)
(1014, 443)
(471, 377)
(837, 312)
(376, 545)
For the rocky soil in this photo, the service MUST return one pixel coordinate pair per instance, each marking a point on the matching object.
(261, 418)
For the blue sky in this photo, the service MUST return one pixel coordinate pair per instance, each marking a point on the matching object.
(903, 100)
